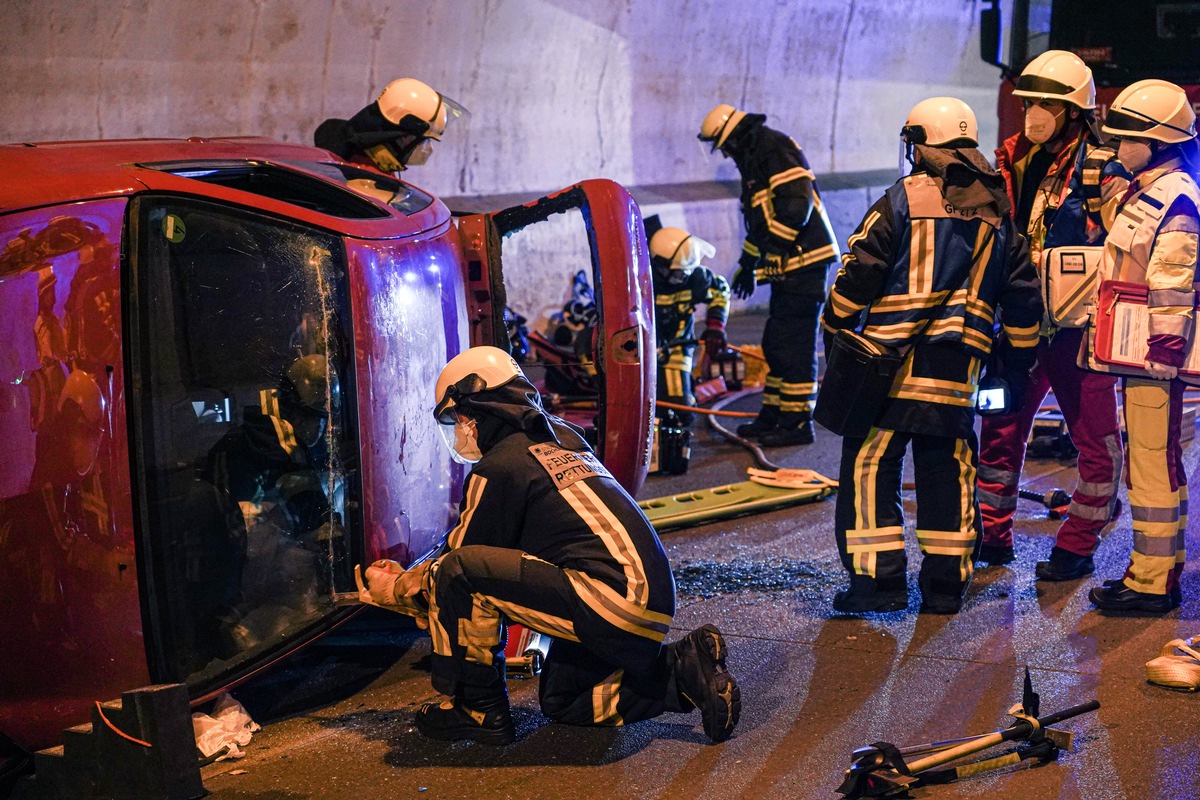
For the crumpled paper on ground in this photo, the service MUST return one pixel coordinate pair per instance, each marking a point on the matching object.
(228, 728)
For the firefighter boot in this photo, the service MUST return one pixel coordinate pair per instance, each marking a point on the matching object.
(865, 595)
(1064, 566)
(477, 713)
(1116, 596)
(996, 554)
(804, 433)
(700, 677)
(768, 418)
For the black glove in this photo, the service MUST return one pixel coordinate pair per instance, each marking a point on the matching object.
(744, 278)
(714, 341)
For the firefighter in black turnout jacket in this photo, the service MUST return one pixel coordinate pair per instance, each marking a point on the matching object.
(789, 244)
(680, 284)
(548, 539)
(943, 229)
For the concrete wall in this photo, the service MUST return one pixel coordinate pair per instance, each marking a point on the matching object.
(559, 90)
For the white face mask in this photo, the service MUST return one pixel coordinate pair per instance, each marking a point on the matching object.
(1134, 154)
(1041, 124)
(463, 440)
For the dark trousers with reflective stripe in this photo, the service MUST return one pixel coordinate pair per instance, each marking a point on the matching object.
(790, 346)
(1157, 484)
(607, 677)
(870, 515)
(1088, 401)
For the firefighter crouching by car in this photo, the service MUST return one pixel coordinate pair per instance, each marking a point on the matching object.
(789, 244)
(1153, 242)
(680, 284)
(547, 539)
(943, 229)
(1059, 180)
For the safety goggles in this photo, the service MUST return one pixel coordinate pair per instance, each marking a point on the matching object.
(445, 411)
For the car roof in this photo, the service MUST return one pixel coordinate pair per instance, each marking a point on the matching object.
(39, 174)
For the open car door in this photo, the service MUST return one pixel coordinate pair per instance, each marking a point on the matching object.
(621, 350)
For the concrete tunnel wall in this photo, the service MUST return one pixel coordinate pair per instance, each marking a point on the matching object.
(559, 91)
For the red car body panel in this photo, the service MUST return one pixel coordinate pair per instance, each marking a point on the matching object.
(80, 621)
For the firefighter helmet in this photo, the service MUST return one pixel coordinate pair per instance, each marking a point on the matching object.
(679, 250)
(471, 371)
(1058, 75)
(1152, 109)
(941, 122)
(417, 109)
(719, 124)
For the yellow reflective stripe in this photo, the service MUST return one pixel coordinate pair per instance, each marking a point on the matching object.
(779, 229)
(843, 307)
(475, 486)
(875, 540)
(789, 175)
(616, 610)
(481, 632)
(749, 248)
(1023, 336)
(798, 388)
(602, 522)
(920, 256)
(285, 435)
(558, 627)
(863, 230)
(604, 700)
(813, 256)
(795, 405)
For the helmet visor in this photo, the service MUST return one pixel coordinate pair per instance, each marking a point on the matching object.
(1036, 84)
(691, 252)
(1129, 122)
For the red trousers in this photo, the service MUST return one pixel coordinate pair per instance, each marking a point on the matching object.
(1088, 402)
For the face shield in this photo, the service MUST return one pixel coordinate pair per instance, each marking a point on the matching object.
(690, 254)
(420, 153)
(461, 437)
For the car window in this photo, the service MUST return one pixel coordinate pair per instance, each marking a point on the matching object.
(245, 432)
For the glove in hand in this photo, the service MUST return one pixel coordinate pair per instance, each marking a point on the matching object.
(714, 341)
(744, 281)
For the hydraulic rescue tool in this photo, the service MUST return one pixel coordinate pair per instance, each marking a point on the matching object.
(885, 770)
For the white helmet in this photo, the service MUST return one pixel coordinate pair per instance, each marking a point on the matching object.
(417, 109)
(719, 123)
(471, 371)
(1058, 75)
(680, 249)
(941, 121)
(1152, 109)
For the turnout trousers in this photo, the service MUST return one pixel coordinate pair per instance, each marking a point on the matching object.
(790, 346)
(870, 517)
(1088, 401)
(595, 672)
(675, 381)
(1157, 484)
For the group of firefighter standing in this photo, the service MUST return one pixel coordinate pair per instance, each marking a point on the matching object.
(947, 268)
(947, 259)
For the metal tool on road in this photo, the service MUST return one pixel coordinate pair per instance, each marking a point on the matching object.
(884, 770)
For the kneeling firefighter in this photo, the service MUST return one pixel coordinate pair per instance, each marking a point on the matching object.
(547, 539)
(932, 258)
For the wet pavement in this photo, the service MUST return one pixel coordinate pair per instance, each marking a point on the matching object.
(815, 685)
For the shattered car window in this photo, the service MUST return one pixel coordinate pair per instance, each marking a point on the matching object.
(247, 440)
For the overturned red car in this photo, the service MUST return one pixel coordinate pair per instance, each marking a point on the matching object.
(215, 399)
